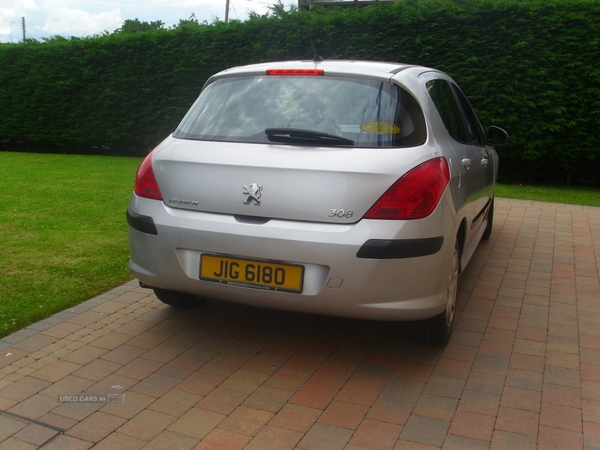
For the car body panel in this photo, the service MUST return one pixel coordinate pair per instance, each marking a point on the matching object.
(296, 184)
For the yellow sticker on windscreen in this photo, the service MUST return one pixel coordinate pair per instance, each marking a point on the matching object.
(380, 128)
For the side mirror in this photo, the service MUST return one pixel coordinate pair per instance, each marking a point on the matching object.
(496, 136)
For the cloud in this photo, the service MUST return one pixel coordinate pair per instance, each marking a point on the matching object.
(81, 18)
(14, 8)
(66, 21)
(11, 12)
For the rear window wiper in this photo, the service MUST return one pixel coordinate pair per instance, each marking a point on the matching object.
(305, 136)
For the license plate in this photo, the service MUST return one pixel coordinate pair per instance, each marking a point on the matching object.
(252, 273)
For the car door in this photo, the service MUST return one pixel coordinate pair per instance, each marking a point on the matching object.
(463, 134)
(484, 152)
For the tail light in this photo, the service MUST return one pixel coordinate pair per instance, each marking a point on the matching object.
(145, 181)
(415, 195)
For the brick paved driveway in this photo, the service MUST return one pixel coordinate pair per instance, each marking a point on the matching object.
(522, 369)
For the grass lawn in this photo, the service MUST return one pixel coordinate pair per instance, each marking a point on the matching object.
(63, 235)
(570, 195)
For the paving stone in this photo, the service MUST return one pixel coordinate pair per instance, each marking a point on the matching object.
(325, 437)
(436, 407)
(156, 385)
(287, 379)
(123, 354)
(62, 329)
(462, 443)
(23, 389)
(57, 421)
(445, 386)
(35, 406)
(120, 441)
(425, 430)
(506, 440)
(472, 425)
(198, 423)
(271, 438)
(268, 398)
(36, 434)
(10, 426)
(139, 368)
(132, 404)
(550, 437)
(296, 418)
(390, 411)
(222, 400)
(376, 435)
(223, 440)
(55, 371)
(146, 425)
(175, 403)
(112, 384)
(168, 440)
(521, 369)
(517, 421)
(344, 415)
(243, 381)
(314, 396)
(97, 370)
(84, 355)
(96, 427)
(13, 443)
(246, 420)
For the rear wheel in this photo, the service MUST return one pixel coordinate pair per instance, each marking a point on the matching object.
(437, 330)
(177, 299)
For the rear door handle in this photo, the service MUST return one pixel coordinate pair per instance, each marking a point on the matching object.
(484, 161)
(466, 162)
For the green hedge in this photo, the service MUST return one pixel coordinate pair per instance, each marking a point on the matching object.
(530, 66)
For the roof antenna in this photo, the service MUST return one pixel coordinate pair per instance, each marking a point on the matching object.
(316, 56)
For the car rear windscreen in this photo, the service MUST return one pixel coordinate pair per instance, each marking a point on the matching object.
(369, 112)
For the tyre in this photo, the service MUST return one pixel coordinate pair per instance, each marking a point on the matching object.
(437, 330)
(490, 221)
(177, 299)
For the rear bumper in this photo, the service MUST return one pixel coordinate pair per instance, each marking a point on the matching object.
(402, 276)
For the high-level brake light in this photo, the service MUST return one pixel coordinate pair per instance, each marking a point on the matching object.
(297, 72)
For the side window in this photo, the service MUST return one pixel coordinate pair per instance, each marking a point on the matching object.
(477, 134)
(444, 100)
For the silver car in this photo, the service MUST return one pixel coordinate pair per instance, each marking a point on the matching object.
(346, 188)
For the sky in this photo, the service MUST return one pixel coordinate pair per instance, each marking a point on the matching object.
(81, 18)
